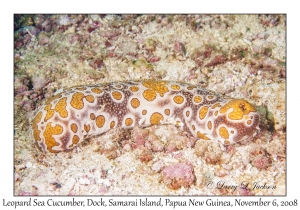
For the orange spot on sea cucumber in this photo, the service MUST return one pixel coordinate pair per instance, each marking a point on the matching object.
(112, 124)
(215, 105)
(116, 95)
(92, 116)
(203, 112)
(77, 100)
(87, 128)
(209, 125)
(175, 87)
(155, 118)
(178, 99)
(224, 133)
(60, 107)
(202, 136)
(167, 111)
(135, 103)
(75, 139)
(154, 87)
(96, 90)
(48, 134)
(74, 127)
(149, 95)
(240, 108)
(134, 88)
(187, 113)
(100, 120)
(90, 98)
(197, 99)
(128, 121)
(50, 112)
(191, 87)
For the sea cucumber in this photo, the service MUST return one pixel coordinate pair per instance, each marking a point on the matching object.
(84, 111)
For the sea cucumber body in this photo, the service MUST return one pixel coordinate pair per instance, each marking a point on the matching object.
(81, 112)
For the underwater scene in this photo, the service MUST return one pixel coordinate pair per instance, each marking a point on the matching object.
(127, 104)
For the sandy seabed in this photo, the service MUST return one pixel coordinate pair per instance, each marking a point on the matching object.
(240, 56)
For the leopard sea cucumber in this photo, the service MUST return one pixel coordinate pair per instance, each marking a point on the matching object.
(81, 112)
